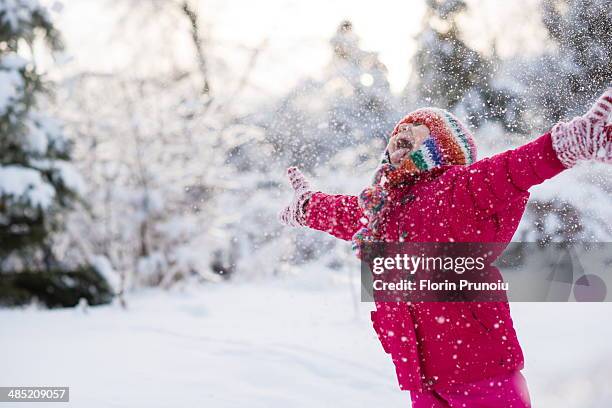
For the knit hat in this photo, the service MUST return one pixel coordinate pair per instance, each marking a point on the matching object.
(449, 143)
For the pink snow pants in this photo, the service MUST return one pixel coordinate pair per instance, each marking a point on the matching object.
(505, 391)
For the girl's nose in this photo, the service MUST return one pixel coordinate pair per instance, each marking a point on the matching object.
(404, 126)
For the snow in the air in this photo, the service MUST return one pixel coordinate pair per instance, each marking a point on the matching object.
(114, 150)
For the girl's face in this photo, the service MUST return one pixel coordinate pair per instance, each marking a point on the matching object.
(408, 139)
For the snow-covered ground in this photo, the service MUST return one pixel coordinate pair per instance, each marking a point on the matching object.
(295, 342)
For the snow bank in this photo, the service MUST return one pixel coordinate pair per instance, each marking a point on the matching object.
(299, 342)
(103, 266)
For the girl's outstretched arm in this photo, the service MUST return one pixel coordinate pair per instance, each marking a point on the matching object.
(338, 215)
(490, 184)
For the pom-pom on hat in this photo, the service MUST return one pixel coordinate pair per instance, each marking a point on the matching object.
(449, 143)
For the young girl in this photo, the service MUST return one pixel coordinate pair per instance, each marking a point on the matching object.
(430, 188)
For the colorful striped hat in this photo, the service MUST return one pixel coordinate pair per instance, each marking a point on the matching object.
(449, 142)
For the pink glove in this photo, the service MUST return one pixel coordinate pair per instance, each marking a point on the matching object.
(294, 214)
(587, 137)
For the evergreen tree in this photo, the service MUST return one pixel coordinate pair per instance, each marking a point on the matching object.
(566, 80)
(351, 104)
(36, 179)
(361, 104)
(451, 75)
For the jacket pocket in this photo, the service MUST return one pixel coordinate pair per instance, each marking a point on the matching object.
(490, 315)
(470, 319)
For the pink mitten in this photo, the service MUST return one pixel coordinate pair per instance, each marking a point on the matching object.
(294, 214)
(587, 137)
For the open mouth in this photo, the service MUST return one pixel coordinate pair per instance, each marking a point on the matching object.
(404, 144)
(403, 147)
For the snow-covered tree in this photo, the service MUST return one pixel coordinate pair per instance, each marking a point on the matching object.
(36, 177)
(352, 103)
(451, 75)
(163, 207)
(560, 83)
(563, 81)
(37, 181)
(362, 105)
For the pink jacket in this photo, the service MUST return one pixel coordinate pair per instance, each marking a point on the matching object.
(437, 344)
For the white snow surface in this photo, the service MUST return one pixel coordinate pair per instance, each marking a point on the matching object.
(10, 84)
(25, 184)
(301, 341)
(36, 139)
(65, 171)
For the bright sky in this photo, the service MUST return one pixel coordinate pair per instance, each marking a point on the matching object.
(297, 34)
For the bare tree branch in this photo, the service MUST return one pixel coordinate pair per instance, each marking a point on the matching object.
(196, 37)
